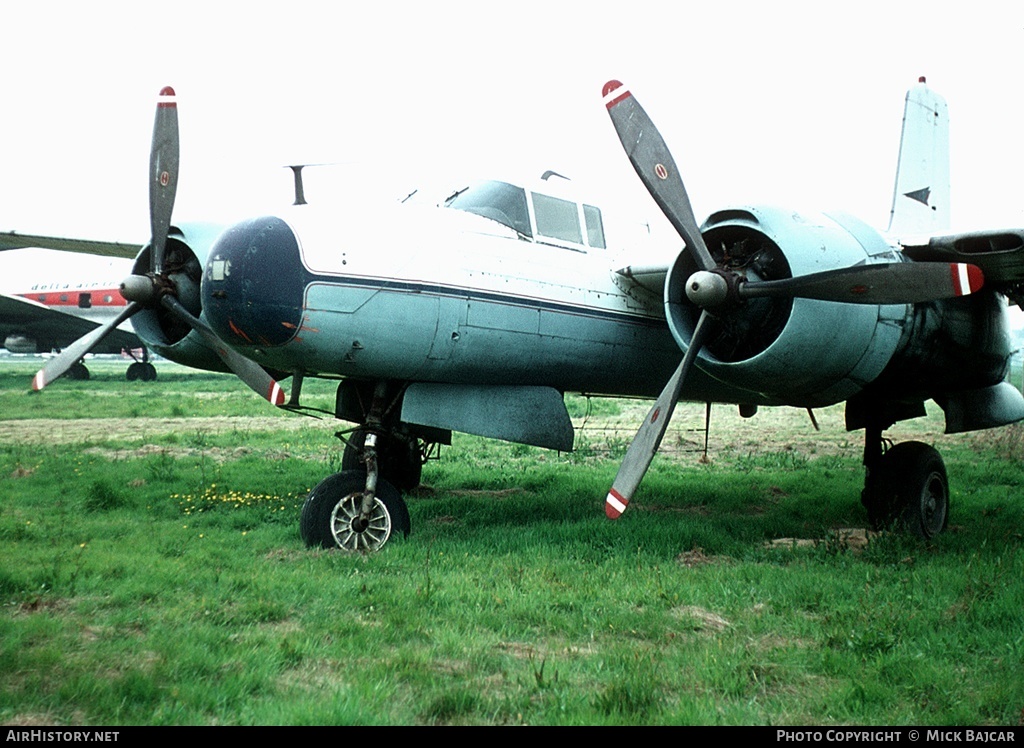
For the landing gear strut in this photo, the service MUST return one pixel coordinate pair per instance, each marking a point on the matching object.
(905, 487)
(361, 507)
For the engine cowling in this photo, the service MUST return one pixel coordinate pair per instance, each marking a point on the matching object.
(799, 352)
(187, 248)
(22, 344)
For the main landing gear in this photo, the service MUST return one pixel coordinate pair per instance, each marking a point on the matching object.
(361, 507)
(142, 371)
(905, 487)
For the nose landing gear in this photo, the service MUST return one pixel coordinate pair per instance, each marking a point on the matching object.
(361, 507)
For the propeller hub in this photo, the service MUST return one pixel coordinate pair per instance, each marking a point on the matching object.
(707, 289)
(139, 288)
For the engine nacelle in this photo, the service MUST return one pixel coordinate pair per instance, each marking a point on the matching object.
(800, 352)
(187, 248)
(21, 344)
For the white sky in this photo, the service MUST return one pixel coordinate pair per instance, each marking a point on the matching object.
(786, 102)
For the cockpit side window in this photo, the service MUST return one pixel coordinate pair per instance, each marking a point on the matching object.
(557, 218)
(595, 227)
(499, 201)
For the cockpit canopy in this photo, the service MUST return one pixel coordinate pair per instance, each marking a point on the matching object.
(533, 215)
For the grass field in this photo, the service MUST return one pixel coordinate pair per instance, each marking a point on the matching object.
(151, 572)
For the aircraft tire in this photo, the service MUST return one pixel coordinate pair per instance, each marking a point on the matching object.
(400, 463)
(133, 372)
(333, 501)
(913, 491)
(79, 372)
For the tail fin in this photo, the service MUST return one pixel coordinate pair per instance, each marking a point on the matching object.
(920, 201)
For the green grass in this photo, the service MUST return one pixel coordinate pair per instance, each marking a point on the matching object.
(156, 576)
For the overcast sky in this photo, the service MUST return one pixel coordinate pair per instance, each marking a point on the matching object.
(783, 102)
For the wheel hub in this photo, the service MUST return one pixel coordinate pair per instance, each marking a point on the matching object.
(353, 532)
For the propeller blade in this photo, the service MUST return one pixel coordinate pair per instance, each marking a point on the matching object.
(71, 355)
(163, 170)
(654, 165)
(248, 371)
(884, 283)
(648, 437)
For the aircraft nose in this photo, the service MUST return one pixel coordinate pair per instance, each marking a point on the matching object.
(254, 282)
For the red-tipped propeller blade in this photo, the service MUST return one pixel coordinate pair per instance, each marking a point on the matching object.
(648, 438)
(145, 291)
(71, 355)
(883, 283)
(163, 171)
(655, 166)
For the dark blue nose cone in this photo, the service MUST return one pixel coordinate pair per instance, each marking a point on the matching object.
(254, 283)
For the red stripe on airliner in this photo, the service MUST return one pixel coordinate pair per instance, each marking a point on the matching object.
(611, 87)
(615, 504)
(97, 297)
(966, 278)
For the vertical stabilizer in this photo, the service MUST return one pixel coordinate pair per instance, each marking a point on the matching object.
(920, 202)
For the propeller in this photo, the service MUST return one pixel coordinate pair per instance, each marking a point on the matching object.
(718, 290)
(156, 287)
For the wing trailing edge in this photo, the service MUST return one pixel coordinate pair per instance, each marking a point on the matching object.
(16, 240)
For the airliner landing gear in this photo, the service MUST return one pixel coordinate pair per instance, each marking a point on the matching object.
(141, 370)
(145, 372)
(906, 486)
(78, 372)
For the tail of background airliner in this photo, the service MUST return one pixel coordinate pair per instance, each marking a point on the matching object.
(920, 202)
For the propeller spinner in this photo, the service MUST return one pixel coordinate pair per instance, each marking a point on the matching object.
(156, 287)
(719, 291)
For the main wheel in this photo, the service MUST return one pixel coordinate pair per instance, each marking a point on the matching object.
(141, 370)
(330, 516)
(399, 460)
(78, 372)
(911, 490)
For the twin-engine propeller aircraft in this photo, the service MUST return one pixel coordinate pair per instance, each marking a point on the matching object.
(479, 314)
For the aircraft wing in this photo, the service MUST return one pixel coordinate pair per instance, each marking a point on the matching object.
(55, 329)
(15, 240)
(999, 253)
(651, 277)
